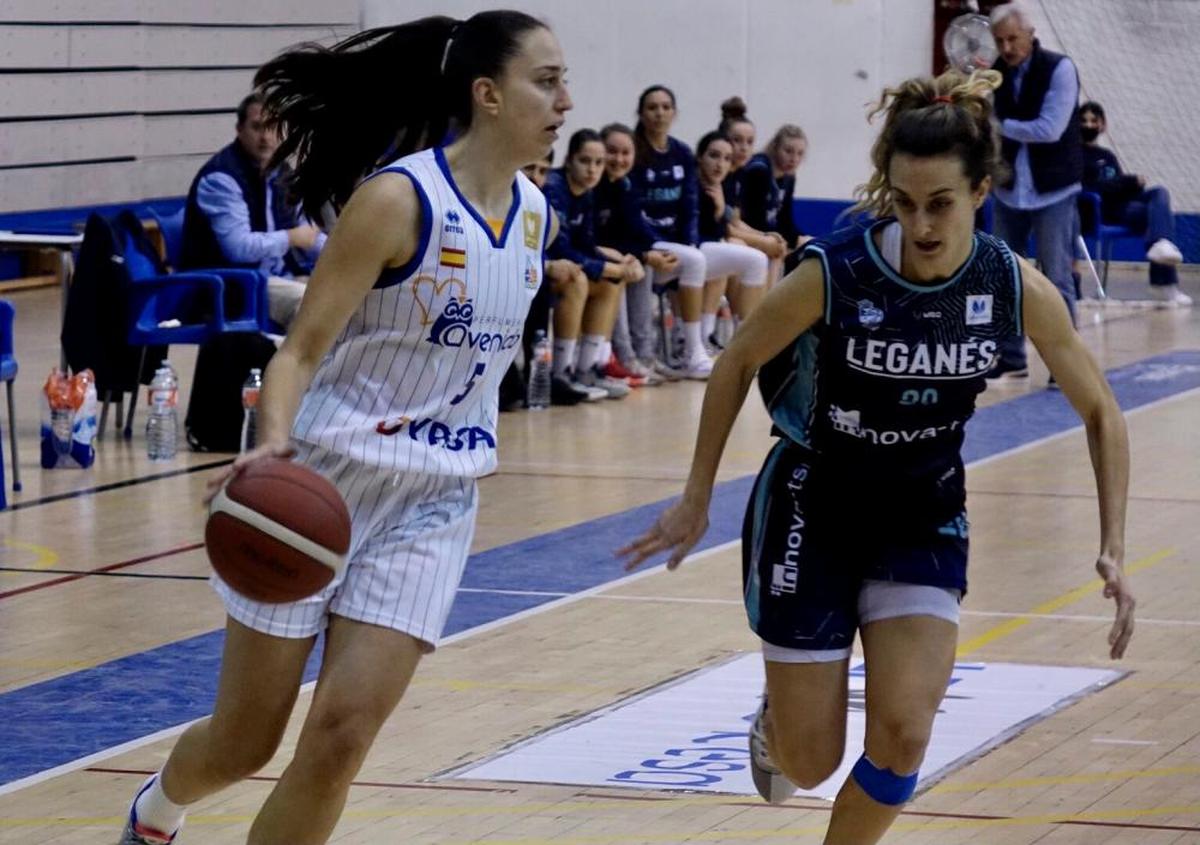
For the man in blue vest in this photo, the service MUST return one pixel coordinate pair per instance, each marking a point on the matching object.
(238, 215)
(1040, 142)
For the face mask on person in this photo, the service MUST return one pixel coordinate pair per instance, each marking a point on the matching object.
(1089, 133)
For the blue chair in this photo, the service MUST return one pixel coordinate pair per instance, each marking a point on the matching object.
(1099, 236)
(171, 228)
(8, 372)
(186, 307)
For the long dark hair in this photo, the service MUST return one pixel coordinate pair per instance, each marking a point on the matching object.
(641, 146)
(327, 100)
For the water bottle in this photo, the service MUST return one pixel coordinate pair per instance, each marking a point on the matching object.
(538, 393)
(724, 330)
(250, 391)
(163, 422)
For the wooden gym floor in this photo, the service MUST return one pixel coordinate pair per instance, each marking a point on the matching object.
(105, 624)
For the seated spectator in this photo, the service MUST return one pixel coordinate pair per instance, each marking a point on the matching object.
(569, 190)
(739, 129)
(1126, 201)
(745, 266)
(768, 185)
(664, 181)
(563, 292)
(620, 225)
(238, 214)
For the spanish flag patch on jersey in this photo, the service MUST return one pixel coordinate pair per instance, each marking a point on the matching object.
(451, 257)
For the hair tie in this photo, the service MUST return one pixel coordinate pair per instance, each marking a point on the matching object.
(943, 98)
(446, 52)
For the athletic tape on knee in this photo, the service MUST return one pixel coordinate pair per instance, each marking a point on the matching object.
(883, 785)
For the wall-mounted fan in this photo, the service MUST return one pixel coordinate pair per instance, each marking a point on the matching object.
(968, 43)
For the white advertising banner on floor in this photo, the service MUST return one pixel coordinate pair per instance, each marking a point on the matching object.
(691, 734)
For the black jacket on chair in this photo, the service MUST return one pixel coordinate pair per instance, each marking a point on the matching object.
(96, 322)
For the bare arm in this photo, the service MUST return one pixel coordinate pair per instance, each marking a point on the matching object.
(789, 309)
(767, 242)
(1048, 325)
(357, 251)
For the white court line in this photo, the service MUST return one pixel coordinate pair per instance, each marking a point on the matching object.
(132, 745)
(1102, 740)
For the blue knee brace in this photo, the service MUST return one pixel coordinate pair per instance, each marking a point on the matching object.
(883, 785)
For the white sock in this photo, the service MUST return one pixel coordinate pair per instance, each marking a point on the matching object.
(606, 353)
(589, 352)
(564, 355)
(692, 344)
(708, 322)
(155, 810)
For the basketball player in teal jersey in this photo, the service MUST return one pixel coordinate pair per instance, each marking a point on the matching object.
(386, 384)
(870, 354)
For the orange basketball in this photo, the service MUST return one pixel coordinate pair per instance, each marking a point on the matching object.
(278, 532)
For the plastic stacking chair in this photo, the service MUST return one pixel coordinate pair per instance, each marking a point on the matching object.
(8, 373)
(171, 228)
(1099, 236)
(186, 307)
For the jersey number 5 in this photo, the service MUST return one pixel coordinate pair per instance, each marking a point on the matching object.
(479, 368)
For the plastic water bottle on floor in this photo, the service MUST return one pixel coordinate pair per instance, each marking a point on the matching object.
(163, 423)
(250, 392)
(538, 393)
(724, 330)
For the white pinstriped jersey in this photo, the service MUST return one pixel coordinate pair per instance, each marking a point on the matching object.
(412, 382)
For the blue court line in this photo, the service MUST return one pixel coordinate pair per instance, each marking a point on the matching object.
(54, 722)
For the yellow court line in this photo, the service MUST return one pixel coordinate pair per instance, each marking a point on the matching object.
(1090, 777)
(45, 557)
(1090, 588)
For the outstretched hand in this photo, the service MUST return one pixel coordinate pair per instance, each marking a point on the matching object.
(219, 479)
(1116, 587)
(678, 528)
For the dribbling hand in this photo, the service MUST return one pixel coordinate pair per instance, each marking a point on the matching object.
(219, 479)
(678, 528)
(1117, 588)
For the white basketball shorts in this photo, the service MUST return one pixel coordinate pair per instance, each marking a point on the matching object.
(409, 541)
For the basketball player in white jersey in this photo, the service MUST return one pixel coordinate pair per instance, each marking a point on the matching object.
(387, 384)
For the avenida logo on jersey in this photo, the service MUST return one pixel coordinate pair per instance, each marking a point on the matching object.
(870, 315)
(453, 326)
(452, 329)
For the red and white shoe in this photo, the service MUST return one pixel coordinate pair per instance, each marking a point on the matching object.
(614, 369)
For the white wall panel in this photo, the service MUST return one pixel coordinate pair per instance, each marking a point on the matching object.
(101, 79)
(73, 139)
(60, 187)
(105, 46)
(98, 11)
(186, 133)
(185, 90)
(34, 46)
(250, 11)
(168, 176)
(45, 94)
(185, 46)
(816, 63)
